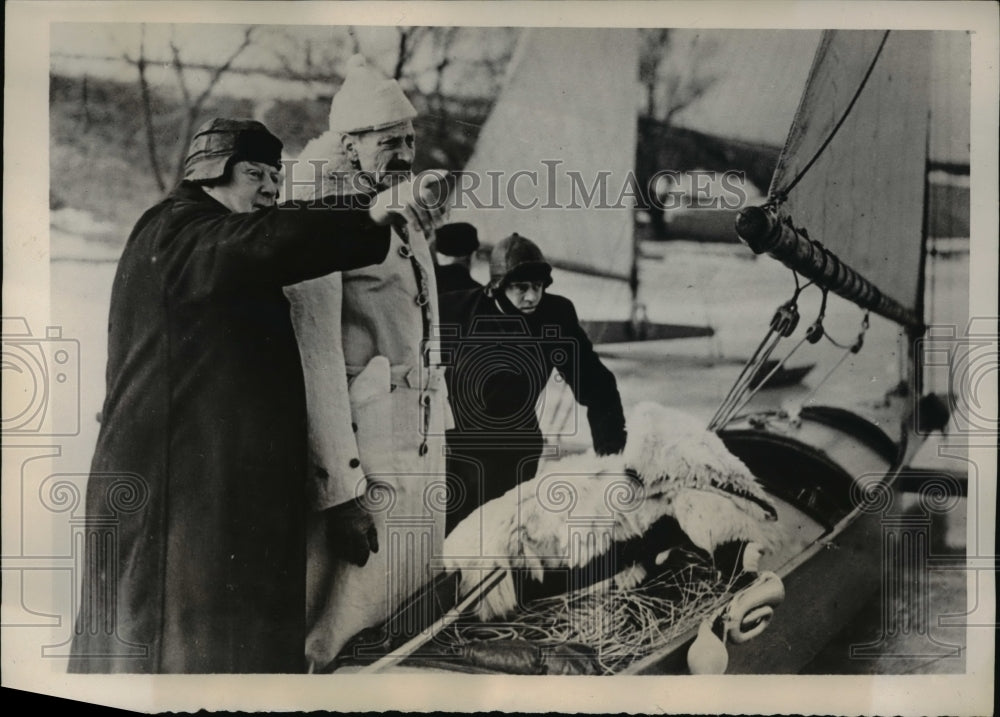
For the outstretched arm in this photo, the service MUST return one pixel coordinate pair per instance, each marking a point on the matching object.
(209, 252)
(594, 386)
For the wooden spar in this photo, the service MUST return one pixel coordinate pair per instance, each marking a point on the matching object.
(489, 582)
(764, 231)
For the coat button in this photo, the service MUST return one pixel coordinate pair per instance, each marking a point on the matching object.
(404, 251)
(354, 463)
(354, 427)
(420, 299)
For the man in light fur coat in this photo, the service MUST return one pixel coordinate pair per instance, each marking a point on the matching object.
(375, 395)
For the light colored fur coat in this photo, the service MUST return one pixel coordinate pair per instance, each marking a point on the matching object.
(578, 506)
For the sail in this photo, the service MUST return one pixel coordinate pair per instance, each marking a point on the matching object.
(561, 143)
(863, 196)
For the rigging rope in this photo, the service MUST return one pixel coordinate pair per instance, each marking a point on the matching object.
(781, 194)
(749, 396)
(848, 350)
(783, 325)
(739, 387)
(741, 392)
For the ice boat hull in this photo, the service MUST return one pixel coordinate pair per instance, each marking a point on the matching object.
(836, 470)
(831, 473)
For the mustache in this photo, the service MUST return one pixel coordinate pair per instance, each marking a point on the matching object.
(398, 165)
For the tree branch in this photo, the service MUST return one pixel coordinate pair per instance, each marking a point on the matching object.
(179, 71)
(445, 58)
(217, 75)
(288, 69)
(194, 108)
(685, 84)
(147, 113)
(401, 56)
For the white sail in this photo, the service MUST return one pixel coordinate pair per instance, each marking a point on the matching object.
(863, 197)
(568, 106)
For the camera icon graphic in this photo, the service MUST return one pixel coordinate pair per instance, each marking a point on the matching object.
(497, 371)
(41, 381)
(966, 368)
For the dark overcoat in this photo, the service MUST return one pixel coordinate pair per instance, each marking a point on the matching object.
(498, 363)
(454, 277)
(196, 500)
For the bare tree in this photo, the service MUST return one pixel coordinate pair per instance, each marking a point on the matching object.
(672, 69)
(314, 56)
(435, 101)
(473, 60)
(409, 39)
(443, 38)
(652, 47)
(194, 104)
(147, 110)
(686, 77)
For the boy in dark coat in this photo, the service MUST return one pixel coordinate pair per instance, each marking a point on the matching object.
(503, 342)
(195, 560)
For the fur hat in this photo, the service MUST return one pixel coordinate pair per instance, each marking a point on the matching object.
(221, 140)
(517, 258)
(368, 100)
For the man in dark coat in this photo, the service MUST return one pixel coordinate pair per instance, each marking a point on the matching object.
(195, 559)
(454, 245)
(503, 342)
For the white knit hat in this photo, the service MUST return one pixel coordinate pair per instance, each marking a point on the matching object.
(368, 100)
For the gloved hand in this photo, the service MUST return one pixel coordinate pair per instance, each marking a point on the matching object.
(610, 445)
(420, 203)
(350, 532)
